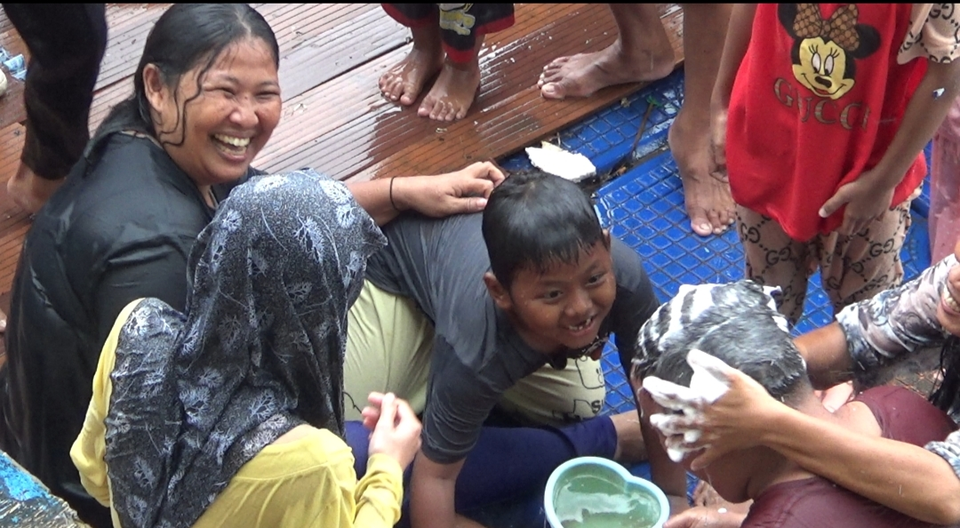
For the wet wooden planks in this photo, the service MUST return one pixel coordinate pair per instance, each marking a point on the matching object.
(334, 118)
(364, 136)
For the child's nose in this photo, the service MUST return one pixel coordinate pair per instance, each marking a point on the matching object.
(579, 303)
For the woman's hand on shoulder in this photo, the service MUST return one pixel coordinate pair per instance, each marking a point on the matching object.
(395, 428)
(462, 191)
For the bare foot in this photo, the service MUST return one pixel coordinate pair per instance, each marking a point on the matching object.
(630, 446)
(30, 191)
(452, 93)
(708, 201)
(403, 82)
(583, 74)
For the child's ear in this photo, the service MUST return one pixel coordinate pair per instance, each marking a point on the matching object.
(499, 294)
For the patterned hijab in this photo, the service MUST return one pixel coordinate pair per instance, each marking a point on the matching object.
(258, 351)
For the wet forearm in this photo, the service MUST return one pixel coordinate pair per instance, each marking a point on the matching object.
(924, 113)
(374, 197)
(825, 351)
(432, 491)
(902, 476)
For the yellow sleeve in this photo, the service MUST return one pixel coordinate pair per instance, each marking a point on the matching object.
(308, 482)
(380, 492)
(89, 448)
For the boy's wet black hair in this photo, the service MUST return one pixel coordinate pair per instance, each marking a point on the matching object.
(737, 323)
(534, 220)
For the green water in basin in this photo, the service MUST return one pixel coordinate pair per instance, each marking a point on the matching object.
(592, 496)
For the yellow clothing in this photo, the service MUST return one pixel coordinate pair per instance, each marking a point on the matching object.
(308, 481)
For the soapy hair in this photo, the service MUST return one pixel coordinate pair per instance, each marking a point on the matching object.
(737, 323)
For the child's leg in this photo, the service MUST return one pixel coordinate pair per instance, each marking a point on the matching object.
(774, 259)
(706, 198)
(858, 267)
(404, 81)
(462, 30)
(389, 345)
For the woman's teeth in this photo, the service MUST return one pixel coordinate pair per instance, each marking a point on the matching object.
(232, 141)
(950, 301)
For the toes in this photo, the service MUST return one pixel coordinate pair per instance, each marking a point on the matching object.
(425, 109)
(716, 226)
(408, 96)
(552, 90)
(555, 65)
(701, 225)
(447, 111)
(392, 88)
(386, 84)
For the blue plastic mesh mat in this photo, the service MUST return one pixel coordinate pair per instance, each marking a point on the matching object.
(644, 208)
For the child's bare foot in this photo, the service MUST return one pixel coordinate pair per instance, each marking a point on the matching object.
(403, 82)
(707, 199)
(30, 191)
(630, 446)
(453, 91)
(583, 74)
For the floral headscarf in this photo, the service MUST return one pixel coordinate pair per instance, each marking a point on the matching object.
(258, 351)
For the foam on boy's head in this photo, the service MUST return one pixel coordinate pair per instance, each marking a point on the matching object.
(735, 322)
(534, 220)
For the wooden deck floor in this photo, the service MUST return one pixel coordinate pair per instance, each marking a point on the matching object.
(334, 119)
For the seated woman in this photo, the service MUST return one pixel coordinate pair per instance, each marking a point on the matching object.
(206, 98)
(738, 324)
(917, 318)
(231, 413)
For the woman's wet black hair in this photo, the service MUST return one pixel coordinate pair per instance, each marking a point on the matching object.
(534, 220)
(185, 36)
(733, 322)
(947, 394)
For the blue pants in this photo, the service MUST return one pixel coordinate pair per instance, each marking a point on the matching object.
(510, 462)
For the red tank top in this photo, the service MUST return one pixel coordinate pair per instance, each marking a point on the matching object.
(816, 102)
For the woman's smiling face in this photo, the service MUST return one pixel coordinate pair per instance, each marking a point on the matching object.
(214, 123)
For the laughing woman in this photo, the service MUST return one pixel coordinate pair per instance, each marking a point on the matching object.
(206, 98)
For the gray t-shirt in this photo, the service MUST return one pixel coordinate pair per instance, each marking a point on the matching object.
(477, 354)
